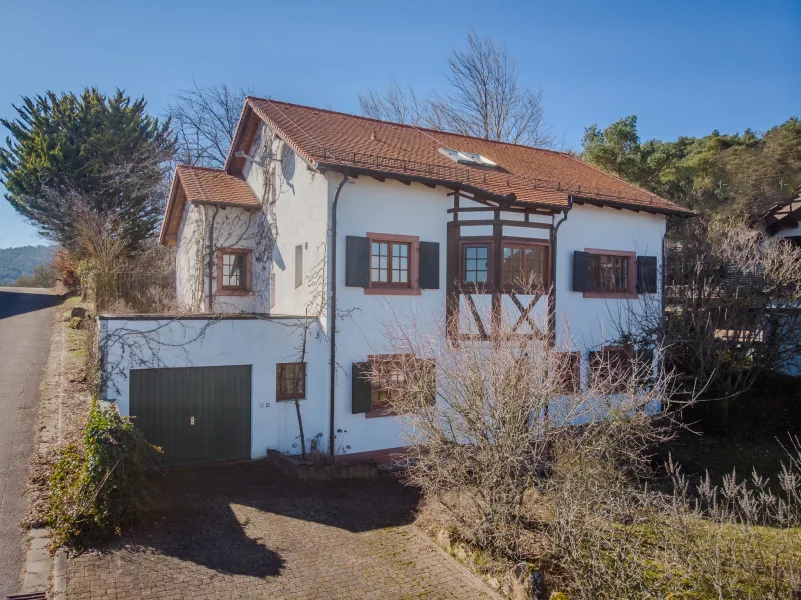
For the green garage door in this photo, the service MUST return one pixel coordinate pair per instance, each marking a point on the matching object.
(194, 413)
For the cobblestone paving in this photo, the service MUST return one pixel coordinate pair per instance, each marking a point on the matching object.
(243, 531)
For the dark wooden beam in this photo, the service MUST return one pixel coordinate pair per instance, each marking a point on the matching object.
(487, 209)
(377, 178)
(507, 223)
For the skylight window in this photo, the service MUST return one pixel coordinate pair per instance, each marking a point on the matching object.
(468, 158)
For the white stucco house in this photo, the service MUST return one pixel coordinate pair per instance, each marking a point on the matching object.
(319, 225)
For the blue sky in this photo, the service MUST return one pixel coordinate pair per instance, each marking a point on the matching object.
(684, 67)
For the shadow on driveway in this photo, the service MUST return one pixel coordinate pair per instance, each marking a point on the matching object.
(17, 301)
(194, 516)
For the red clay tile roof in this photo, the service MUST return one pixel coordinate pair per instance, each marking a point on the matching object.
(215, 186)
(335, 140)
(201, 185)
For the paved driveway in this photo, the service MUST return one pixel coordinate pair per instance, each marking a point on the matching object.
(244, 531)
(25, 325)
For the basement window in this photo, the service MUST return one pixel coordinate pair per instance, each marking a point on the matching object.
(473, 159)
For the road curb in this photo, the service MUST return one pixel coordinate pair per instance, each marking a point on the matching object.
(60, 575)
(477, 581)
(38, 563)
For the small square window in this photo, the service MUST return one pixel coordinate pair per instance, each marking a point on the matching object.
(233, 271)
(476, 264)
(290, 381)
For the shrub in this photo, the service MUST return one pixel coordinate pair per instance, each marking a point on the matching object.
(97, 488)
(67, 268)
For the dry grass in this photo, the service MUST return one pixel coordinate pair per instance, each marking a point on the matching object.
(75, 376)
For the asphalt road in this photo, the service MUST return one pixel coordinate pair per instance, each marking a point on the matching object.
(26, 317)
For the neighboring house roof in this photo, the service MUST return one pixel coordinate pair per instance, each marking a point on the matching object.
(340, 141)
(201, 185)
(785, 215)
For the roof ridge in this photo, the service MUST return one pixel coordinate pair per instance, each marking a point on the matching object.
(407, 125)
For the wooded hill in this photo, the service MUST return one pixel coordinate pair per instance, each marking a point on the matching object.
(19, 262)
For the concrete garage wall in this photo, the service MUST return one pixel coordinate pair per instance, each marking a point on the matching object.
(163, 343)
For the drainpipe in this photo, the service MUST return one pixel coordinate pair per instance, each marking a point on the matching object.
(333, 318)
(552, 302)
(211, 259)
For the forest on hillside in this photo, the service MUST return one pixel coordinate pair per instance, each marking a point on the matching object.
(20, 262)
(721, 176)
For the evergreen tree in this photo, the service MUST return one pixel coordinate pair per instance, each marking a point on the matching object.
(726, 176)
(103, 152)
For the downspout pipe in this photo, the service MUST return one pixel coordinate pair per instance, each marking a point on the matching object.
(211, 259)
(552, 306)
(333, 318)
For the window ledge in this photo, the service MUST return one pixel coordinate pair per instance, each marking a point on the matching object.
(389, 291)
(616, 295)
(380, 412)
(235, 293)
(288, 399)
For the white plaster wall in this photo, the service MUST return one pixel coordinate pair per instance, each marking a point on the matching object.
(188, 260)
(238, 228)
(301, 218)
(394, 208)
(587, 323)
(258, 342)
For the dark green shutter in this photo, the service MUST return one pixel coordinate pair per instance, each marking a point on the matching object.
(357, 261)
(429, 265)
(646, 275)
(581, 271)
(362, 389)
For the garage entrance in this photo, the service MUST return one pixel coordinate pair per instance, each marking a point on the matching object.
(194, 413)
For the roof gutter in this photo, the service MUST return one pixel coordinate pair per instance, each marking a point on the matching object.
(635, 207)
(509, 199)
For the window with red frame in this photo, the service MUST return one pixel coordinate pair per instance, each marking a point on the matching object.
(612, 368)
(609, 273)
(233, 271)
(568, 372)
(389, 263)
(524, 265)
(476, 264)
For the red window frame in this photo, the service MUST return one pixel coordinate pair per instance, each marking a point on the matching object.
(247, 263)
(389, 287)
(521, 282)
(629, 259)
(466, 243)
(284, 389)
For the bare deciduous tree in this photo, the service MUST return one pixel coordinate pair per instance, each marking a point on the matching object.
(732, 309)
(204, 120)
(483, 418)
(484, 98)
(396, 105)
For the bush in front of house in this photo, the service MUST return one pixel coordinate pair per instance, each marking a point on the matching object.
(526, 465)
(97, 487)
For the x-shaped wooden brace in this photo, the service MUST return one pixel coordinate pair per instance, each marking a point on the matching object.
(524, 312)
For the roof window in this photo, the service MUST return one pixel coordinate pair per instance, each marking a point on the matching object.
(472, 159)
